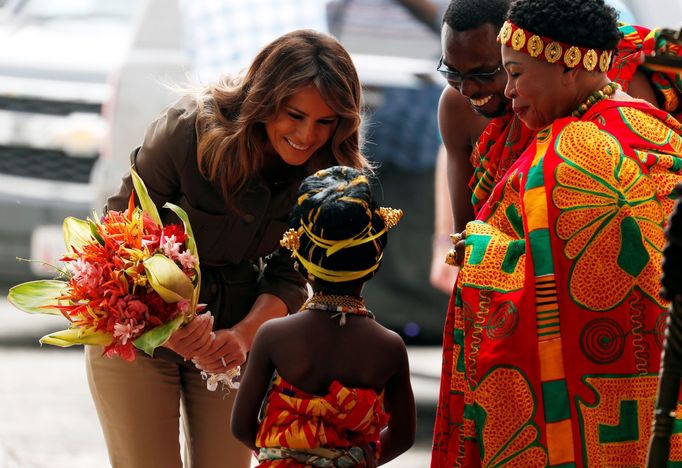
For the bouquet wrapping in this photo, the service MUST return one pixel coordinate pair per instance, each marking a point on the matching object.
(128, 282)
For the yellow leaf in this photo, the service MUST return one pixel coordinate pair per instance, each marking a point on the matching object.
(168, 279)
(72, 336)
(143, 196)
(38, 297)
(76, 233)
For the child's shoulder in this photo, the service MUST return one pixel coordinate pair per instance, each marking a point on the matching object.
(275, 325)
(387, 338)
(389, 335)
(280, 326)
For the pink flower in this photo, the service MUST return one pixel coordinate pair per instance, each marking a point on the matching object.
(183, 306)
(86, 273)
(170, 247)
(187, 260)
(127, 330)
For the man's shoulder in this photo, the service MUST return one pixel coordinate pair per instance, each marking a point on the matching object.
(455, 103)
(458, 118)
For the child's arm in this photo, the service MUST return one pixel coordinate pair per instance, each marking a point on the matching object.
(252, 389)
(399, 435)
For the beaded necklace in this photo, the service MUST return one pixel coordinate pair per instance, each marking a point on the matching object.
(595, 97)
(341, 304)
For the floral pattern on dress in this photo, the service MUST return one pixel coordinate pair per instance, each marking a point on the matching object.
(609, 217)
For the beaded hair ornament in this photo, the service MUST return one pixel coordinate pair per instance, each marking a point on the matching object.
(552, 51)
(292, 239)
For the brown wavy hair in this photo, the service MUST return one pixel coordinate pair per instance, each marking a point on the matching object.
(232, 112)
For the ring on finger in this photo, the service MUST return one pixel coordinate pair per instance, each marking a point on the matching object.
(451, 258)
(456, 237)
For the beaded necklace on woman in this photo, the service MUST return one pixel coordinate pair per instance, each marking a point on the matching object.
(341, 304)
(594, 98)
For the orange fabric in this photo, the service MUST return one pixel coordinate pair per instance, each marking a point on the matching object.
(553, 337)
(637, 43)
(342, 418)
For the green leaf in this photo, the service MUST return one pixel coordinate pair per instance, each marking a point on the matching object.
(168, 279)
(33, 297)
(157, 336)
(145, 200)
(192, 246)
(72, 336)
(93, 231)
(76, 233)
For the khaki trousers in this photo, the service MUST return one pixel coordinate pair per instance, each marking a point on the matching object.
(139, 405)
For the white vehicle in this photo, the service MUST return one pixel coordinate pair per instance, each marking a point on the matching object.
(54, 68)
(62, 65)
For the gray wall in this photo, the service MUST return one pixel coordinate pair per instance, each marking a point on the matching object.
(657, 13)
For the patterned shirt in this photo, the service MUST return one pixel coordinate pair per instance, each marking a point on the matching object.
(223, 36)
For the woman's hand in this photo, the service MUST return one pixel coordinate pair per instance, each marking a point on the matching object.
(442, 275)
(193, 338)
(227, 351)
(456, 254)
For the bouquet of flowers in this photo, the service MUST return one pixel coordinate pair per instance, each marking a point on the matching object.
(128, 282)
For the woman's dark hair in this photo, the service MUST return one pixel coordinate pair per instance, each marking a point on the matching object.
(465, 15)
(337, 204)
(584, 23)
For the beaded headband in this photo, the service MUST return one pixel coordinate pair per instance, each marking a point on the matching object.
(292, 240)
(546, 48)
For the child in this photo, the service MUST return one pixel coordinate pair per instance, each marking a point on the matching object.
(341, 393)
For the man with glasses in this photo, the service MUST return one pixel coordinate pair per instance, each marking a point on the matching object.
(456, 78)
(472, 65)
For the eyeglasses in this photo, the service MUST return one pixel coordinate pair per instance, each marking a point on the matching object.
(457, 78)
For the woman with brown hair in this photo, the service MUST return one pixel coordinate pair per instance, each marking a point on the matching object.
(232, 156)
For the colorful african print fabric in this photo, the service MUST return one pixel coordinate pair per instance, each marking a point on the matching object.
(553, 336)
(638, 42)
(498, 147)
(300, 429)
(505, 137)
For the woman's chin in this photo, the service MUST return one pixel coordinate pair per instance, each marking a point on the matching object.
(533, 124)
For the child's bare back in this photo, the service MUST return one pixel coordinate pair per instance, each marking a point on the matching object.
(310, 350)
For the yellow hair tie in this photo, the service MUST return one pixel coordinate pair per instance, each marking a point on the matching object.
(334, 276)
(292, 238)
(333, 246)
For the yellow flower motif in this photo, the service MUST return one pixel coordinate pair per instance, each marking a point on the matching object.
(504, 409)
(610, 219)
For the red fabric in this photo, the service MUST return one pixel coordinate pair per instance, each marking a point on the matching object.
(637, 43)
(553, 335)
(342, 418)
(498, 147)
